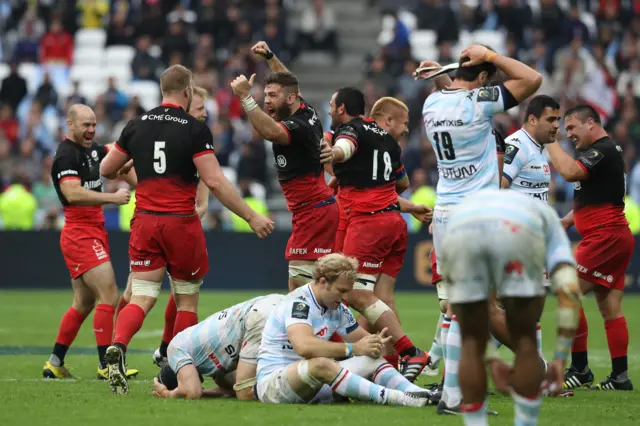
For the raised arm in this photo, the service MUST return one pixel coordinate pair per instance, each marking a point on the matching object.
(566, 166)
(261, 51)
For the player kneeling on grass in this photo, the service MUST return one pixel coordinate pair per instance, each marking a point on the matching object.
(223, 347)
(295, 362)
(523, 234)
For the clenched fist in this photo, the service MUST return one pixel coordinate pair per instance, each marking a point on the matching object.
(242, 87)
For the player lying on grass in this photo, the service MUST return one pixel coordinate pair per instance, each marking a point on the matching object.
(295, 357)
(223, 347)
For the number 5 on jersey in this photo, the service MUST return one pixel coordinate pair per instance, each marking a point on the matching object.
(159, 157)
(444, 139)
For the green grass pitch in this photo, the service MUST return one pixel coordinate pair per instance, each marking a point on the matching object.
(29, 322)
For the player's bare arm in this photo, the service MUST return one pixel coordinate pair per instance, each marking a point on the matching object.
(266, 126)
(308, 346)
(189, 386)
(202, 199)
(402, 184)
(523, 80)
(565, 165)
(115, 160)
(441, 82)
(245, 380)
(567, 221)
(261, 51)
(78, 195)
(213, 177)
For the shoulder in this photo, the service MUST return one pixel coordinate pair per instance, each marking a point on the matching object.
(606, 145)
(65, 149)
(486, 94)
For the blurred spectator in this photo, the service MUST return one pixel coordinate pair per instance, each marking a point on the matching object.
(381, 78)
(153, 23)
(180, 14)
(399, 47)
(129, 114)
(30, 30)
(56, 45)
(203, 76)
(9, 127)
(176, 41)
(14, 88)
(35, 129)
(210, 13)
(46, 196)
(6, 161)
(421, 193)
(29, 158)
(115, 101)
(437, 15)
(17, 207)
(119, 31)
(276, 41)
(46, 94)
(257, 204)
(408, 86)
(318, 28)
(76, 97)
(204, 49)
(144, 66)
(92, 12)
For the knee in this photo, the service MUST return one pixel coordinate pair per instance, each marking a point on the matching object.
(323, 369)
(84, 306)
(109, 295)
(361, 299)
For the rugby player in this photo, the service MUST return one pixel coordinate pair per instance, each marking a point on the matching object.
(83, 241)
(223, 347)
(366, 162)
(198, 111)
(525, 234)
(294, 361)
(170, 149)
(294, 129)
(604, 253)
(458, 124)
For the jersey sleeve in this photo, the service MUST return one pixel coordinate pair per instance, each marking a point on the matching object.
(66, 167)
(297, 311)
(252, 337)
(348, 323)
(396, 163)
(202, 141)
(347, 131)
(558, 244)
(514, 158)
(102, 151)
(494, 100)
(125, 138)
(295, 128)
(591, 160)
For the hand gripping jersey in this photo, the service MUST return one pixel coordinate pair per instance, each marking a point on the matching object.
(458, 125)
(163, 143)
(526, 167)
(368, 179)
(299, 307)
(300, 173)
(538, 218)
(215, 345)
(599, 200)
(73, 161)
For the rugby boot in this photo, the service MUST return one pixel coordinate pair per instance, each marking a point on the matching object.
(159, 360)
(443, 409)
(49, 371)
(117, 370)
(574, 378)
(431, 368)
(103, 373)
(412, 366)
(612, 384)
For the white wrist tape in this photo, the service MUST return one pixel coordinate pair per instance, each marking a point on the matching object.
(249, 104)
(346, 146)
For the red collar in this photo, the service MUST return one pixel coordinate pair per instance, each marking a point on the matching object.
(166, 104)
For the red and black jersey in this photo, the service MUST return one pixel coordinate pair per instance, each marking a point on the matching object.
(298, 163)
(599, 199)
(73, 161)
(163, 143)
(368, 179)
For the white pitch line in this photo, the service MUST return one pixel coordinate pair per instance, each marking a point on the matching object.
(149, 334)
(43, 380)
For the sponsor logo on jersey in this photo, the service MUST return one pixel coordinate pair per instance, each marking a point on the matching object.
(145, 262)
(314, 118)
(93, 184)
(322, 331)
(94, 154)
(488, 94)
(165, 117)
(300, 310)
(67, 172)
(510, 153)
(533, 185)
(281, 161)
(445, 122)
(461, 172)
(297, 251)
(608, 278)
(375, 129)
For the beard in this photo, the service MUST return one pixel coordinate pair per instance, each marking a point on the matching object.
(282, 112)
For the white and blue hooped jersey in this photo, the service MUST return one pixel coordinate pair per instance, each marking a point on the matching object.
(539, 218)
(458, 125)
(526, 167)
(299, 307)
(215, 345)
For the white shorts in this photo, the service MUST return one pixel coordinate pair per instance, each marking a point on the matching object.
(508, 261)
(275, 389)
(440, 219)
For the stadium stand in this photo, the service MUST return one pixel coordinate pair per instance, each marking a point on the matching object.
(109, 54)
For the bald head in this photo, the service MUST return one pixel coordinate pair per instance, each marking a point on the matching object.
(81, 122)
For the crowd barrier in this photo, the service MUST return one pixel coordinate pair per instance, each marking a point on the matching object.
(32, 260)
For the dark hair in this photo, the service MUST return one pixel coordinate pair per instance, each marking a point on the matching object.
(584, 112)
(285, 79)
(471, 73)
(167, 377)
(537, 104)
(352, 99)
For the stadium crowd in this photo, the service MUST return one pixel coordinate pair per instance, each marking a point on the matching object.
(587, 52)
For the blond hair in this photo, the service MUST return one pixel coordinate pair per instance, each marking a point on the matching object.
(175, 79)
(387, 106)
(332, 266)
(200, 91)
